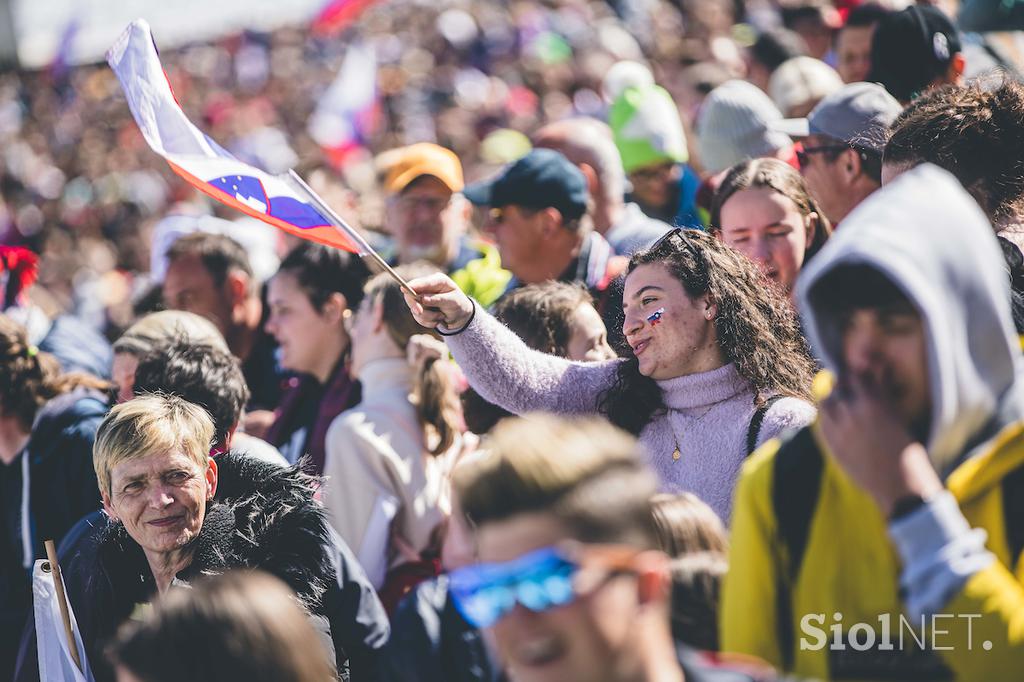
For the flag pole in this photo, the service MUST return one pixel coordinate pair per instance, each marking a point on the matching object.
(345, 229)
(58, 583)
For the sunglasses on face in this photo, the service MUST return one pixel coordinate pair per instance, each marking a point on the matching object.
(540, 580)
(803, 154)
(497, 215)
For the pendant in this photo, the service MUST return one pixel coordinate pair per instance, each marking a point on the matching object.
(676, 455)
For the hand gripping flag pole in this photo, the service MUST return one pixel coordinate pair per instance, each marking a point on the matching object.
(284, 201)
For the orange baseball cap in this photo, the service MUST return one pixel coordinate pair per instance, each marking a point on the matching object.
(424, 158)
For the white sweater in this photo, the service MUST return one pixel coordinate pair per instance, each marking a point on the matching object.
(380, 477)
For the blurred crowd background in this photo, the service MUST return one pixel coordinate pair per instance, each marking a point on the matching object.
(79, 185)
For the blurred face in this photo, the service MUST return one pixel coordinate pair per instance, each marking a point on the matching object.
(769, 229)
(161, 499)
(310, 340)
(189, 286)
(426, 221)
(826, 183)
(587, 639)
(125, 675)
(655, 185)
(853, 53)
(816, 35)
(518, 233)
(123, 372)
(671, 334)
(886, 347)
(588, 340)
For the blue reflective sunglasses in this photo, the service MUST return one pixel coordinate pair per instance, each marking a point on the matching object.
(539, 580)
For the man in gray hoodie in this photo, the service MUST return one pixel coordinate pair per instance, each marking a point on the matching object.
(916, 461)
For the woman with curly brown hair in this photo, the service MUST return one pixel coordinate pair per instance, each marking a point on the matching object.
(717, 363)
(48, 422)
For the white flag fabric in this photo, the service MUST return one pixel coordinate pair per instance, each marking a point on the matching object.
(55, 661)
(202, 162)
(343, 114)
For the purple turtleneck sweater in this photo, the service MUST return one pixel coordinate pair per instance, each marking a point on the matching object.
(708, 414)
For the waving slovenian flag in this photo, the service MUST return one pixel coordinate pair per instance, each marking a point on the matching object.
(280, 200)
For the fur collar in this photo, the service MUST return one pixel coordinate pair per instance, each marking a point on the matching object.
(263, 517)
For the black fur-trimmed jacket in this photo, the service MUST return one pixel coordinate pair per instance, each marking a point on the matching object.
(263, 516)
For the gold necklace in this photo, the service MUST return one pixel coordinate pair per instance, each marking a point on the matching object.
(676, 454)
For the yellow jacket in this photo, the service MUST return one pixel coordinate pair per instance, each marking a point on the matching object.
(849, 566)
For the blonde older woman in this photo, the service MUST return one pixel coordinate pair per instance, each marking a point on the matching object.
(157, 482)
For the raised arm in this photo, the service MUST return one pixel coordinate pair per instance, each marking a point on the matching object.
(498, 365)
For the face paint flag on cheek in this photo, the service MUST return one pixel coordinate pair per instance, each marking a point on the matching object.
(655, 318)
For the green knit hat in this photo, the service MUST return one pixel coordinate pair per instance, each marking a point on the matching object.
(645, 124)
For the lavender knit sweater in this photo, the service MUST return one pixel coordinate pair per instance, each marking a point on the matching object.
(708, 416)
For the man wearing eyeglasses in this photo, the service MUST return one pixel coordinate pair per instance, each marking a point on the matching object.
(843, 137)
(429, 220)
(569, 585)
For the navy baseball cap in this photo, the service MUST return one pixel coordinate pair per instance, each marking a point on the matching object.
(541, 179)
(911, 48)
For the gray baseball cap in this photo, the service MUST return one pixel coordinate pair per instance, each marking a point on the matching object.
(858, 114)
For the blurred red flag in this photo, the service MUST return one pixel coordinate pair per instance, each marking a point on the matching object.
(337, 15)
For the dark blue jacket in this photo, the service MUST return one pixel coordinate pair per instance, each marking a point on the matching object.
(263, 516)
(61, 487)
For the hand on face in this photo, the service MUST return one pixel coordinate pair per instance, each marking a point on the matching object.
(867, 439)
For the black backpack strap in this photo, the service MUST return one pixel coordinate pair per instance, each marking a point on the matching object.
(1013, 514)
(796, 483)
(754, 430)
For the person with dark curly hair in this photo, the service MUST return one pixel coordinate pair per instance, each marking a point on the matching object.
(977, 134)
(716, 362)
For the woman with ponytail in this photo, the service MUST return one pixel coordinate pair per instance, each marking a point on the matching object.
(48, 422)
(388, 457)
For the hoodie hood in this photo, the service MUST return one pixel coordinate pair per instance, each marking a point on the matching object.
(929, 237)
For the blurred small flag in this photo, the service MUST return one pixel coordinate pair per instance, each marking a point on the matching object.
(202, 162)
(337, 15)
(348, 112)
(60, 67)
